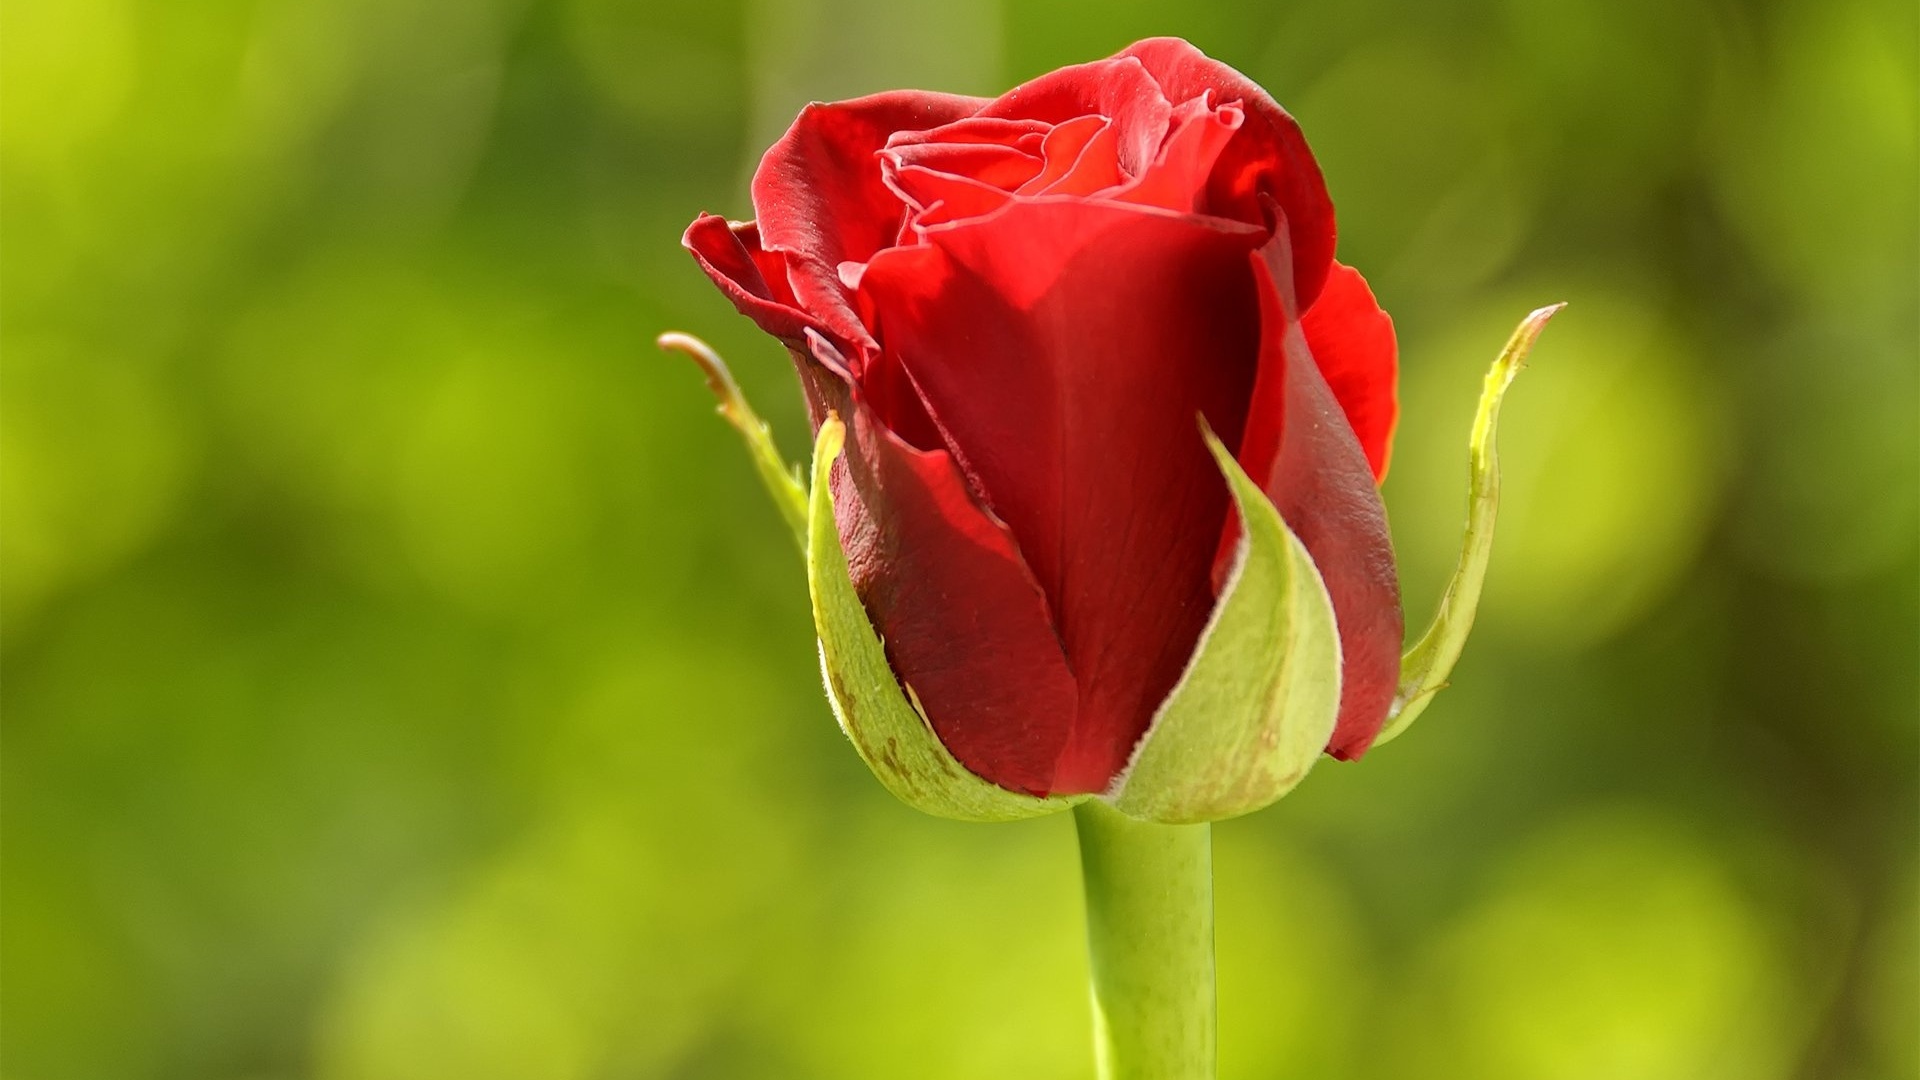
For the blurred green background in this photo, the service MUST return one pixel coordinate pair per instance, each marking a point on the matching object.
(405, 678)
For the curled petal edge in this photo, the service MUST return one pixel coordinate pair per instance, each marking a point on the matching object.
(1424, 668)
(1257, 703)
(887, 728)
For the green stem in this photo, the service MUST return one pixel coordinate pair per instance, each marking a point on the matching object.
(1150, 939)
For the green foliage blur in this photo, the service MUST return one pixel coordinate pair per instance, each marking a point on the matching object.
(406, 679)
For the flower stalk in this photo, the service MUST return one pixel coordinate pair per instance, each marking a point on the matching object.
(1149, 891)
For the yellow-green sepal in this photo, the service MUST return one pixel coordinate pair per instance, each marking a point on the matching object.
(1258, 701)
(886, 727)
(1425, 667)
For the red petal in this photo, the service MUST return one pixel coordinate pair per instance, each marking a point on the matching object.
(1095, 169)
(889, 396)
(999, 166)
(964, 625)
(1022, 135)
(1066, 350)
(1118, 88)
(1352, 342)
(1177, 179)
(753, 278)
(945, 197)
(1268, 156)
(1062, 147)
(960, 198)
(1301, 450)
(820, 198)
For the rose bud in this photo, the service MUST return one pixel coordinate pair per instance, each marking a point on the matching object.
(1099, 424)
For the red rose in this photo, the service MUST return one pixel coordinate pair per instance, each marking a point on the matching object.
(1022, 307)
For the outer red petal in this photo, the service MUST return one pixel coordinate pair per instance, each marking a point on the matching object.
(753, 278)
(1267, 157)
(1067, 349)
(1352, 342)
(965, 626)
(1300, 448)
(820, 199)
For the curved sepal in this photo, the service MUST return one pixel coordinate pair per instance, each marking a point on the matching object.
(1425, 667)
(782, 481)
(1257, 703)
(886, 727)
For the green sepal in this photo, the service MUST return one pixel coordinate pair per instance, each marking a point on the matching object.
(1425, 667)
(887, 728)
(1258, 701)
(781, 480)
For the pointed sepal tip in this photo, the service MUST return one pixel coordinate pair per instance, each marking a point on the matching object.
(1425, 667)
